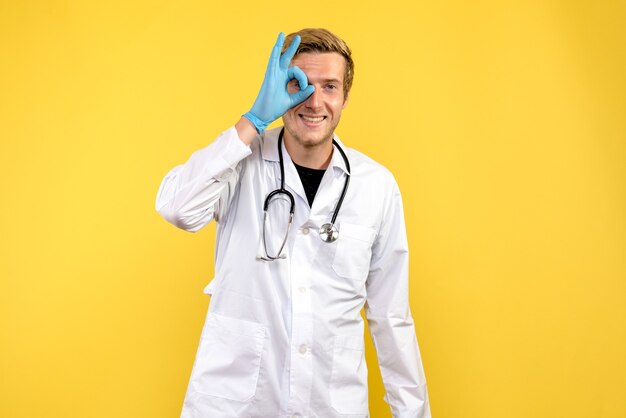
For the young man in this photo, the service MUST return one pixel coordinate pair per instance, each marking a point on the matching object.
(308, 233)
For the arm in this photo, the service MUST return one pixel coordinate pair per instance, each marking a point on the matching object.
(389, 317)
(193, 194)
(190, 194)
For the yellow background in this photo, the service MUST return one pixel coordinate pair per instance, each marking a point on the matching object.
(504, 123)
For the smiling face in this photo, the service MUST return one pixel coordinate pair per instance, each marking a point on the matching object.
(312, 123)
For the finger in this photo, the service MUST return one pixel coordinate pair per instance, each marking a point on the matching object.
(290, 52)
(299, 75)
(302, 95)
(278, 47)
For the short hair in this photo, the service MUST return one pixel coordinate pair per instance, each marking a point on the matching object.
(323, 40)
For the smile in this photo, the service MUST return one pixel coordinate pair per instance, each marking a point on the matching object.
(312, 119)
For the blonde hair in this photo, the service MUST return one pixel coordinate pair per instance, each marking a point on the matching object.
(323, 40)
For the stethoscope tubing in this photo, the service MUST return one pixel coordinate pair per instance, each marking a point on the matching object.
(328, 231)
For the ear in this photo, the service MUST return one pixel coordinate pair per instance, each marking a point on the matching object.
(345, 101)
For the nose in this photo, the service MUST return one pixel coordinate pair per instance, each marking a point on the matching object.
(314, 100)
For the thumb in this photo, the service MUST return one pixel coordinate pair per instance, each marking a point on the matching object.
(302, 95)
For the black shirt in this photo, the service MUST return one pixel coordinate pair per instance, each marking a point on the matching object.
(311, 179)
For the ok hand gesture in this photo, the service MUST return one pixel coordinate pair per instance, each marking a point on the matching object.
(274, 99)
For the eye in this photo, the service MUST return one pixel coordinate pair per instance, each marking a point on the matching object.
(331, 86)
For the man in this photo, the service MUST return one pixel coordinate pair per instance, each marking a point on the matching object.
(283, 335)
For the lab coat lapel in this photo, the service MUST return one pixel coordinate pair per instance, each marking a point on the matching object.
(331, 187)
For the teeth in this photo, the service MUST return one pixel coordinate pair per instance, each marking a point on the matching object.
(313, 119)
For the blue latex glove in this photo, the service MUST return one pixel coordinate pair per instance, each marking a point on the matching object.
(274, 99)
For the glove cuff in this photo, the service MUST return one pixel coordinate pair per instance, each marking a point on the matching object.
(258, 123)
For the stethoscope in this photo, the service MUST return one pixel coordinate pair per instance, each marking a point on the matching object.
(328, 232)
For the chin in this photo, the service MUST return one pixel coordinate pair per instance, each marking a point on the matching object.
(307, 138)
(311, 140)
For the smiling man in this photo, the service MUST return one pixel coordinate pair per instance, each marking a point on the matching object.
(309, 232)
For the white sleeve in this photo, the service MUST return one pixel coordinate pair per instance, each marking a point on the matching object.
(194, 193)
(389, 316)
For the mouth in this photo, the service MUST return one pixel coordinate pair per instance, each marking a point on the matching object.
(312, 121)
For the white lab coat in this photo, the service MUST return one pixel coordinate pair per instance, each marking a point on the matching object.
(285, 338)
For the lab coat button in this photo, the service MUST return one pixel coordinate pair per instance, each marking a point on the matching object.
(302, 349)
(305, 230)
(302, 289)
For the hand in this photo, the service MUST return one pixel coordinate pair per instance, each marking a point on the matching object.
(274, 99)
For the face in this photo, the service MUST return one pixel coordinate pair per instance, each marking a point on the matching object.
(312, 122)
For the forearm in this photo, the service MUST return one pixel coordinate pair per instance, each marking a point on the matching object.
(190, 193)
(400, 364)
(389, 316)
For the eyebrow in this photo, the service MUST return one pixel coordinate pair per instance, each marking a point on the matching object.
(327, 80)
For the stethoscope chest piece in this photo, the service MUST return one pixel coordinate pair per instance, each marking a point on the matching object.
(329, 233)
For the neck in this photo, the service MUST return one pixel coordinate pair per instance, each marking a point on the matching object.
(317, 156)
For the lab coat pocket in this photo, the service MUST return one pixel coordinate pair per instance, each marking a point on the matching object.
(229, 358)
(348, 382)
(354, 251)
